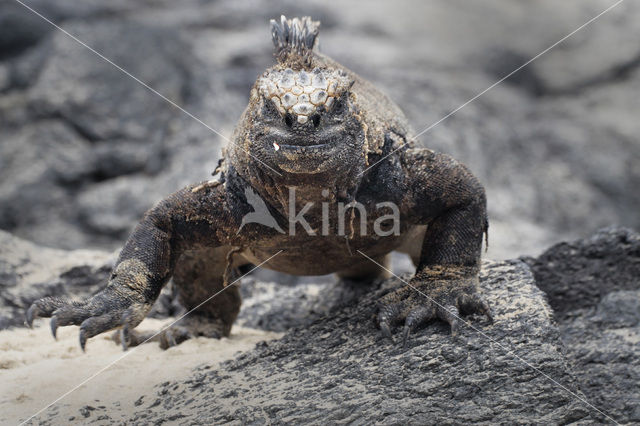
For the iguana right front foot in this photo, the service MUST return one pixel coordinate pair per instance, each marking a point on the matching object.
(119, 305)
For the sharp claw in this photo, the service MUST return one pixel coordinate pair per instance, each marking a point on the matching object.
(405, 335)
(166, 340)
(54, 327)
(489, 317)
(415, 318)
(386, 331)
(451, 315)
(487, 311)
(163, 342)
(455, 328)
(171, 340)
(386, 315)
(83, 339)
(124, 337)
(31, 315)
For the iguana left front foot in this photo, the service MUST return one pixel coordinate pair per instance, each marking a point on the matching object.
(425, 298)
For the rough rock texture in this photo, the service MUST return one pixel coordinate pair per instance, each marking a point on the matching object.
(579, 274)
(274, 307)
(594, 286)
(555, 145)
(340, 369)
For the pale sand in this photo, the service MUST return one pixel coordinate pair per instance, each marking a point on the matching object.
(35, 370)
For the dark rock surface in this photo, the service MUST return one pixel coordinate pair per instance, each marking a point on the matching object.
(604, 349)
(594, 287)
(86, 150)
(274, 307)
(340, 369)
(579, 274)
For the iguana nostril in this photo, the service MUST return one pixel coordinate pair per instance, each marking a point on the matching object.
(288, 120)
(316, 120)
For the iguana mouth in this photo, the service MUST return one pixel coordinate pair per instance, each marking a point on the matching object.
(278, 143)
(307, 159)
(301, 148)
(317, 150)
(278, 137)
(303, 152)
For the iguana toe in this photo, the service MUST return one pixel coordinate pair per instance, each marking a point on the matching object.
(421, 302)
(104, 311)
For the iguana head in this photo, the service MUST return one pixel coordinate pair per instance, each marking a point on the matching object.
(302, 118)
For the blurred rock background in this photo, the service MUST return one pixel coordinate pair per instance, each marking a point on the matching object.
(85, 150)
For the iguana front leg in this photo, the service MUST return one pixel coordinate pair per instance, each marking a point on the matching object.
(194, 216)
(445, 195)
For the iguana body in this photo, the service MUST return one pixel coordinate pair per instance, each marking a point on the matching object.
(304, 144)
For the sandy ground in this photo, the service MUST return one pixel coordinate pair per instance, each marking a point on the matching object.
(36, 370)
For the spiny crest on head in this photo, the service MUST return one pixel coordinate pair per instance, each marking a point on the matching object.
(294, 39)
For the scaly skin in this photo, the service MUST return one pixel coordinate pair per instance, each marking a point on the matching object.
(322, 150)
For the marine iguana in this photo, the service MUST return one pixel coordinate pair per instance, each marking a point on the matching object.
(315, 141)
